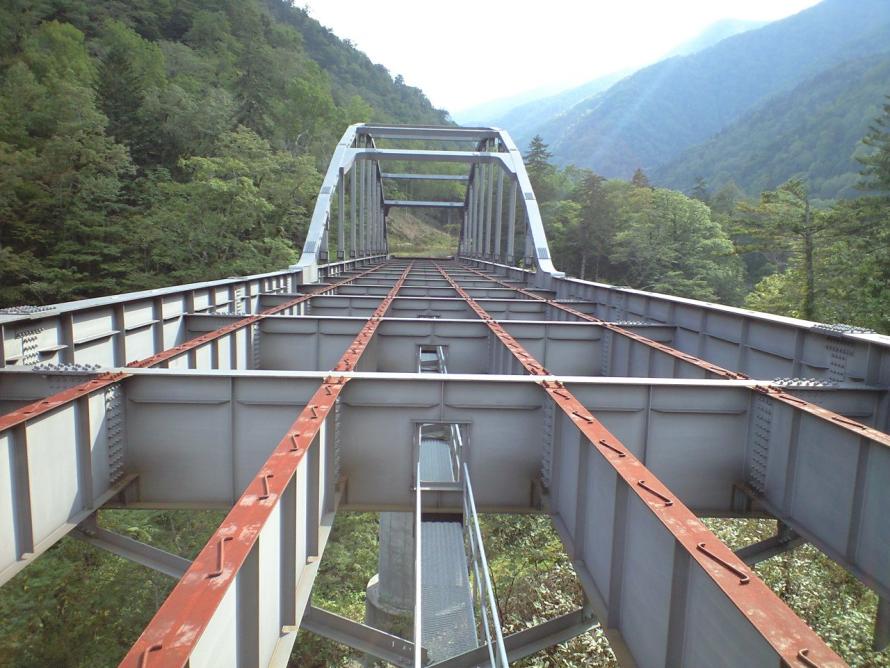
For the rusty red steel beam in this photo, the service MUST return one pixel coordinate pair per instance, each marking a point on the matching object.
(174, 631)
(36, 408)
(771, 391)
(788, 635)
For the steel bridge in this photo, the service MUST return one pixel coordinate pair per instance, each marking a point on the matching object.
(433, 390)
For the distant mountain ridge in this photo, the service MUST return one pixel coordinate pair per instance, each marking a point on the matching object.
(482, 114)
(813, 130)
(650, 118)
(540, 114)
(716, 32)
(524, 122)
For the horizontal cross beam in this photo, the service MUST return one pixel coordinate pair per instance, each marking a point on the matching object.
(136, 551)
(425, 177)
(361, 637)
(528, 641)
(421, 204)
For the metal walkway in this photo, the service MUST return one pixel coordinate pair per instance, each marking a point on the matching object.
(287, 397)
(449, 622)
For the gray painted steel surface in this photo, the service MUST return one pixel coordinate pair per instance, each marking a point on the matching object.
(720, 446)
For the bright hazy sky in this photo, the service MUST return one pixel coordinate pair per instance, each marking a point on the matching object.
(440, 45)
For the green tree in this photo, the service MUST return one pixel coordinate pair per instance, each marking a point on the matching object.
(639, 179)
(785, 223)
(596, 228)
(540, 171)
(61, 176)
(851, 268)
(240, 211)
(668, 242)
(131, 80)
(876, 165)
(700, 191)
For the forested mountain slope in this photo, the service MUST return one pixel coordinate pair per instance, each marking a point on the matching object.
(153, 142)
(714, 33)
(544, 114)
(526, 120)
(814, 131)
(649, 118)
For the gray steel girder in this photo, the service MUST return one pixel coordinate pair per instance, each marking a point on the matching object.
(232, 418)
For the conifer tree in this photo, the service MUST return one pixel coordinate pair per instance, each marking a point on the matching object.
(876, 166)
(540, 171)
(640, 180)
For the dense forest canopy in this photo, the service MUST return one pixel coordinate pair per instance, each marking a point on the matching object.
(785, 252)
(149, 143)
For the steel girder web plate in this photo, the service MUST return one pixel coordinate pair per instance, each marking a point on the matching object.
(687, 569)
(233, 588)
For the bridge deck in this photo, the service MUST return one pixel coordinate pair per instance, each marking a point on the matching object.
(623, 414)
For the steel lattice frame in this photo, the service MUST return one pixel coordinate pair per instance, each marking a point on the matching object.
(666, 591)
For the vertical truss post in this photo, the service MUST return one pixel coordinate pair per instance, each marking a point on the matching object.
(480, 214)
(371, 192)
(378, 208)
(352, 218)
(362, 200)
(489, 222)
(323, 249)
(499, 217)
(529, 244)
(480, 211)
(341, 216)
(375, 209)
(471, 214)
(369, 222)
(511, 223)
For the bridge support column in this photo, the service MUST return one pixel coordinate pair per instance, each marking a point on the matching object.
(389, 599)
(882, 625)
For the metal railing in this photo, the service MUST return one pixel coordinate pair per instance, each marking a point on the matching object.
(483, 590)
(457, 450)
(440, 353)
(418, 574)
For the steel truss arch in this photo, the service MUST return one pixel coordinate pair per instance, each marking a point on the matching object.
(355, 173)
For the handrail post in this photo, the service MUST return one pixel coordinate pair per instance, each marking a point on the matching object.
(418, 576)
